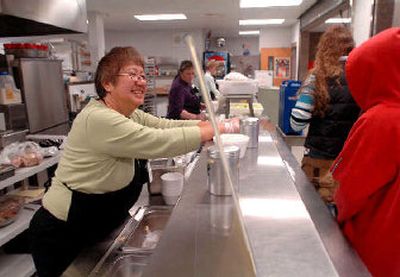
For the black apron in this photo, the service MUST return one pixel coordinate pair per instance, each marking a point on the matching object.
(97, 215)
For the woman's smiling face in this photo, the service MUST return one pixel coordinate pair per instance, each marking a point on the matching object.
(129, 87)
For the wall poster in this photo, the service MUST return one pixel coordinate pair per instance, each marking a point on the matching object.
(282, 67)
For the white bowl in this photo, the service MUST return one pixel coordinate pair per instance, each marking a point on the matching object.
(238, 140)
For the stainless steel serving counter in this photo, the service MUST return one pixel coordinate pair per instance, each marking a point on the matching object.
(290, 231)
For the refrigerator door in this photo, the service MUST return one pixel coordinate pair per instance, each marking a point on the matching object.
(42, 86)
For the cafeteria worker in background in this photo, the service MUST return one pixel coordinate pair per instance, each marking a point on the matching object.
(211, 70)
(102, 169)
(183, 103)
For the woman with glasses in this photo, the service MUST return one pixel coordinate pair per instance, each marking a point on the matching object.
(103, 168)
(183, 103)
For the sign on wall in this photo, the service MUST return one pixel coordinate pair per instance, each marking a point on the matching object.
(282, 67)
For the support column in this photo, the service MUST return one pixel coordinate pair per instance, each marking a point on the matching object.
(96, 38)
(304, 54)
(383, 15)
(362, 15)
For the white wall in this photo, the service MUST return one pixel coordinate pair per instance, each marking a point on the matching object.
(165, 43)
(296, 32)
(396, 14)
(234, 45)
(275, 37)
(296, 40)
(361, 19)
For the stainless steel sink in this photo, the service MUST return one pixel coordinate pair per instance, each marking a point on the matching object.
(149, 230)
(129, 253)
(127, 265)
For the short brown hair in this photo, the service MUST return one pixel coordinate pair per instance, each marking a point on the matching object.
(186, 64)
(110, 65)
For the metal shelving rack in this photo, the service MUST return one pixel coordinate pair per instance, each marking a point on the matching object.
(150, 69)
(20, 264)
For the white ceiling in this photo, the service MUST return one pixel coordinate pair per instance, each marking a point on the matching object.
(219, 16)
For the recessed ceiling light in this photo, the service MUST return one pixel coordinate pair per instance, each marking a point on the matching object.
(336, 20)
(261, 21)
(244, 33)
(268, 3)
(155, 17)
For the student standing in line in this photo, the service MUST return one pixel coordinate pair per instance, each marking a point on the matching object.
(368, 168)
(326, 105)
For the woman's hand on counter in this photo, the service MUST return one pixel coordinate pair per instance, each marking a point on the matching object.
(232, 125)
(227, 126)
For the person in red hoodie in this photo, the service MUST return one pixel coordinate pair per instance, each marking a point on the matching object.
(368, 168)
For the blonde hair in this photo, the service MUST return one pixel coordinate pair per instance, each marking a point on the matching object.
(212, 63)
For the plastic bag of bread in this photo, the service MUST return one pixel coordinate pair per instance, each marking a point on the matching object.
(21, 154)
(10, 155)
(30, 153)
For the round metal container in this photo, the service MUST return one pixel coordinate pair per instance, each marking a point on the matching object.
(218, 183)
(250, 126)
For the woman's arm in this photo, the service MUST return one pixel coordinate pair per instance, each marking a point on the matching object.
(118, 136)
(152, 121)
(302, 112)
(227, 126)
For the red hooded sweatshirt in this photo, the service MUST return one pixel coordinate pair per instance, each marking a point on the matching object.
(368, 168)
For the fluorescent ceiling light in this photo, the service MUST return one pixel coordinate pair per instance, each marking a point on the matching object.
(336, 20)
(261, 21)
(243, 33)
(155, 17)
(268, 3)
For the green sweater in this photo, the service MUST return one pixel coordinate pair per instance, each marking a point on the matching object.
(101, 145)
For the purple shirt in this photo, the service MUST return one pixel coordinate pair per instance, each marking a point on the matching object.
(182, 98)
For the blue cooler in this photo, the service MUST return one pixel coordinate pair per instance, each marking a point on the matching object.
(287, 100)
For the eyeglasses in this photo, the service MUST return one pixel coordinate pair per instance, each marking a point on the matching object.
(133, 76)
